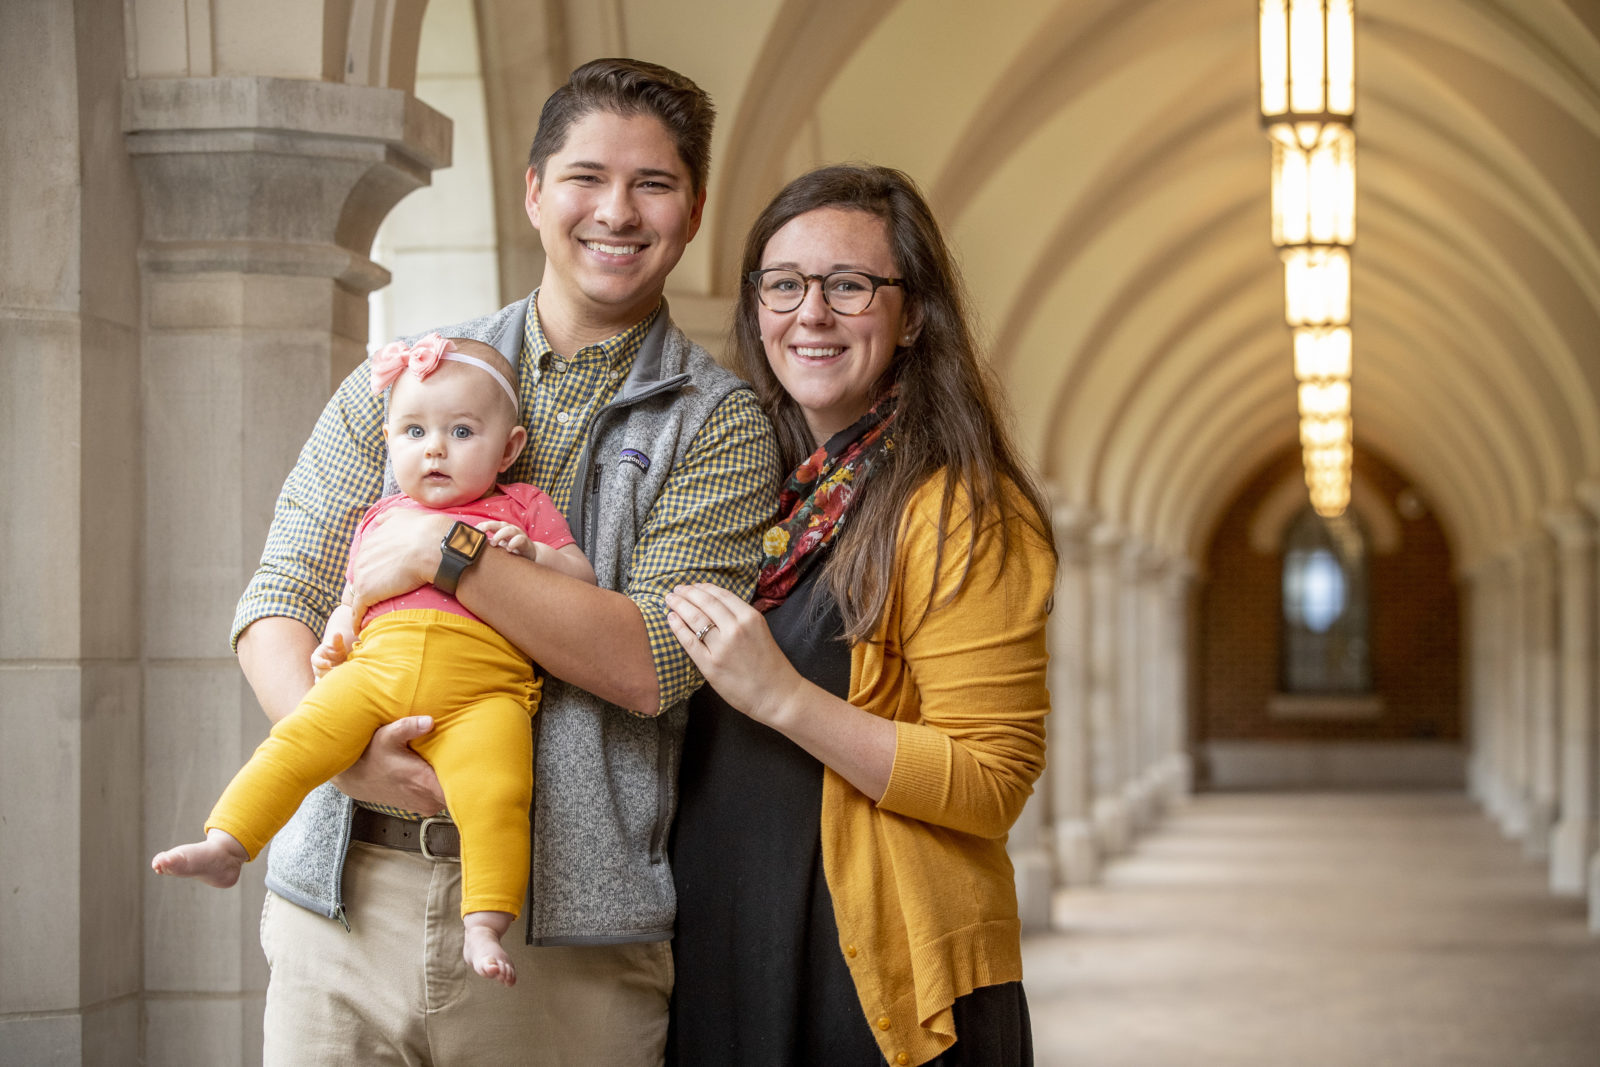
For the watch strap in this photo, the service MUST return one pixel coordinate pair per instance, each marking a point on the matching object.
(453, 560)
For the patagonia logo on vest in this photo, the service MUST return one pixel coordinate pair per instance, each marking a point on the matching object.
(634, 456)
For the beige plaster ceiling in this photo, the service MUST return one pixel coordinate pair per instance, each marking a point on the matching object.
(1100, 169)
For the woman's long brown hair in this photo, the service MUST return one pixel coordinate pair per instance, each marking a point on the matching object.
(950, 420)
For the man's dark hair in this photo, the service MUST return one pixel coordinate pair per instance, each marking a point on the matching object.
(630, 87)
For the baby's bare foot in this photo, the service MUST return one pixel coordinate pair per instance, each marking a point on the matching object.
(482, 949)
(215, 861)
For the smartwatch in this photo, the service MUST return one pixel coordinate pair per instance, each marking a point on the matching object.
(460, 549)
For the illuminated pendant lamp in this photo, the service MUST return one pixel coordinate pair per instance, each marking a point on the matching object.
(1307, 110)
(1308, 93)
(1307, 107)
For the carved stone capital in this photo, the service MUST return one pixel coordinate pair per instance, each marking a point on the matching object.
(1588, 494)
(280, 176)
(1570, 526)
(1073, 522)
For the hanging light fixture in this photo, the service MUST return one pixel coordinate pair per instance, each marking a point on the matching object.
(1314, 189)
(1322, 354)
(1328, 460)
(1325, 400)
(1330, 488)
(1330, 500)
(1325, 438)
(1321, 432)
(1307, 69)
(1316, 287)
(1307, 107)
(1307, 110)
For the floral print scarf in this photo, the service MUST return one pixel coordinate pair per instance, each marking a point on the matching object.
(815, 501)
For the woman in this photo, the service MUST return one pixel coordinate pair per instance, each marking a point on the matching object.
(862, 748)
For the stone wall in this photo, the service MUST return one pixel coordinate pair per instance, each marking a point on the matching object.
(70, 944)
(1415, 633)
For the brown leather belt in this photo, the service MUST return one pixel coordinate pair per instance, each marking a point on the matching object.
(436, 838)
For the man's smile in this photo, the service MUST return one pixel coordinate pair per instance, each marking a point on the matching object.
(612, 249)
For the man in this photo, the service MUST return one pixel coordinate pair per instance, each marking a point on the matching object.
(666, 470)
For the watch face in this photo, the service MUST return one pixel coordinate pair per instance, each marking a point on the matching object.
(467, 540)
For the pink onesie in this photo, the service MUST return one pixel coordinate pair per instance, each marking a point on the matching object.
(525, 505)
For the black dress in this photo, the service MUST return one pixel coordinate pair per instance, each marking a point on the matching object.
(760, 978)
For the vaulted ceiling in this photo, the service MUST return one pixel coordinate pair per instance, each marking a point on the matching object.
(1100, 168)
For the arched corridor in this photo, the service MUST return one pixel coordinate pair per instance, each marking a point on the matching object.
(194, 194)
(1390, 929)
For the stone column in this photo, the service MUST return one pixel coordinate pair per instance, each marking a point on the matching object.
(1155, 656)
(1542, 727)
(1131, 655)
(1113, 823)
(1177, 591)
(1029, 846)
(1589, 494)
(1475, 608)
(1071, 738)
(1511, 719)
(70, 847)
(1574, 839)
(260, 199)
(1031, 843)
(1493, 614)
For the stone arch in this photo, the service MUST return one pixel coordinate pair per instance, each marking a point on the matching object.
(440, 243)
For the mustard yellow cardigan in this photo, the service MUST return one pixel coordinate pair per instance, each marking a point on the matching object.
(923, 891)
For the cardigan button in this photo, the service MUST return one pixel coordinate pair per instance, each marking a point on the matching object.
(883, 1022)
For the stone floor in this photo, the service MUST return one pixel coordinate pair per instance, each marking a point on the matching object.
(1318, 930)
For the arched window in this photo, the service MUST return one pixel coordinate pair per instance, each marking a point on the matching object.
(1325, 646)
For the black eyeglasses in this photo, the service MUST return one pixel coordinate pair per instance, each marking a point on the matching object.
(849, 292)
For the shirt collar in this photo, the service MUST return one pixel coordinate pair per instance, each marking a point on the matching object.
(618, 351)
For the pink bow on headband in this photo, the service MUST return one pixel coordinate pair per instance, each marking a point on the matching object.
(422, 359)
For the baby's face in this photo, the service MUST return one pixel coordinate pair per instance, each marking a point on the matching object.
(450, 435)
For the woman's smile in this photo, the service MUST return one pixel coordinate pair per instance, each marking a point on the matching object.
(833, 365)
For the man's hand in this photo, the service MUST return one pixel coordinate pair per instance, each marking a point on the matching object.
(391, 774)
(399, 553)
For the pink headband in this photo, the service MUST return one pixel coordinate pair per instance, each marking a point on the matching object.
(422, 359)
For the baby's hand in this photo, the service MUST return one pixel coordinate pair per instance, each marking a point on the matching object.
(328, 655)
(508, 536)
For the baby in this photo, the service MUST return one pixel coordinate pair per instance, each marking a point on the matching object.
(452, 427)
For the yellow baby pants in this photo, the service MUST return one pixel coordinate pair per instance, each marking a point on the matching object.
(480, 690)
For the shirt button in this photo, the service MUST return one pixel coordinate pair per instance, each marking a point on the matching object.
(563, 417)
(901, 1058)
(883, 1022)
(850, 951)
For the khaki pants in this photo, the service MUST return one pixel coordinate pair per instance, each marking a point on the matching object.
(395, 990)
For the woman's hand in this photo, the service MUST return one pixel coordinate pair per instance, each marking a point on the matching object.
(736, 654)
(746, 667)
(399, 553)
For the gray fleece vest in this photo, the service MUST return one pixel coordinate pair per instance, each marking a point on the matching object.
(605, 786)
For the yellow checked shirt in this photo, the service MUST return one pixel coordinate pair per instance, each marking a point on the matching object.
(705, 526)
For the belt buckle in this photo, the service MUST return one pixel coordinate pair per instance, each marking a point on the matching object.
(422, 839)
